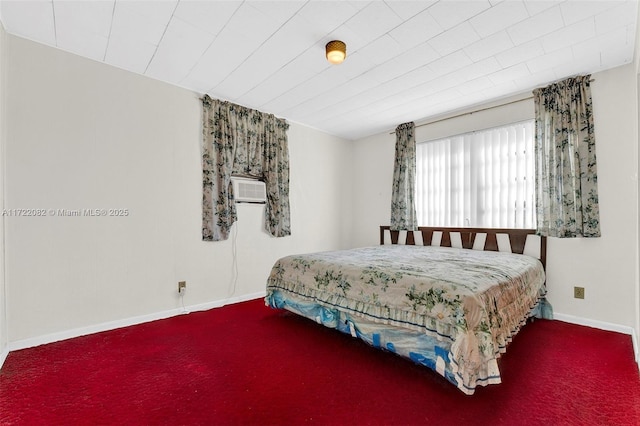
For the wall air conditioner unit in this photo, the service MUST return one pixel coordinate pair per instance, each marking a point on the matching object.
(246, 190)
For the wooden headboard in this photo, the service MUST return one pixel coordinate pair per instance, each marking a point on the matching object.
(519, 241)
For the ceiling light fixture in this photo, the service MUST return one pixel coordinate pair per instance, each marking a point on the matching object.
(336, 51)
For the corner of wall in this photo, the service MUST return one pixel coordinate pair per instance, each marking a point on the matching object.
(637, 236)
(636, 336)
(4, 328)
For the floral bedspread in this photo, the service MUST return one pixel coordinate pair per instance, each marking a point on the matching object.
(476, 300)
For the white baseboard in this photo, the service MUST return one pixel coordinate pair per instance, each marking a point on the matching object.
(602, 325)
(229, 301)
(111, 325)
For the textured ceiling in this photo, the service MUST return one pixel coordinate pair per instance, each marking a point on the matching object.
(406, 60)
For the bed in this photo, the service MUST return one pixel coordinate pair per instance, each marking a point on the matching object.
(450, 299)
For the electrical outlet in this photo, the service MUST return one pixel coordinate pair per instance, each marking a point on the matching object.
(182, 286)
(578, 292)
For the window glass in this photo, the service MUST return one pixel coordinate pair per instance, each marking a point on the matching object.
(480, 179)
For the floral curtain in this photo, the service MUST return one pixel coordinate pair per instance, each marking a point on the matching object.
(565, 155)
(403, 210)
(242, 141)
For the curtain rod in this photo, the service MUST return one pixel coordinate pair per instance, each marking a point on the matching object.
(468, 113)
(473, 112)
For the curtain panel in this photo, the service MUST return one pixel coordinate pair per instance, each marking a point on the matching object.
(565, 155)
(242, 141)
(403, 209)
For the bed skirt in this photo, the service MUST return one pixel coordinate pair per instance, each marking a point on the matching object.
(414, 345)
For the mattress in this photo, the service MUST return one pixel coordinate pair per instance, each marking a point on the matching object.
(452, 310)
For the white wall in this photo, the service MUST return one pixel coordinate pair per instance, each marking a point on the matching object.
(83, 135)
(3, 299)
(637, 322)
(605, 266)
(637, 93)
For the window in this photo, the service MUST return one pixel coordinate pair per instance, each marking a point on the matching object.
(482, 179)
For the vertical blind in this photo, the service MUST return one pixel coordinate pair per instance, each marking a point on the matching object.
(480, 179)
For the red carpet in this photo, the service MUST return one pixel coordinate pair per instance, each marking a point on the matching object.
(246, 364)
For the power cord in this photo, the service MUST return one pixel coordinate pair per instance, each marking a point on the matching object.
(184, 310)
(234, 265)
